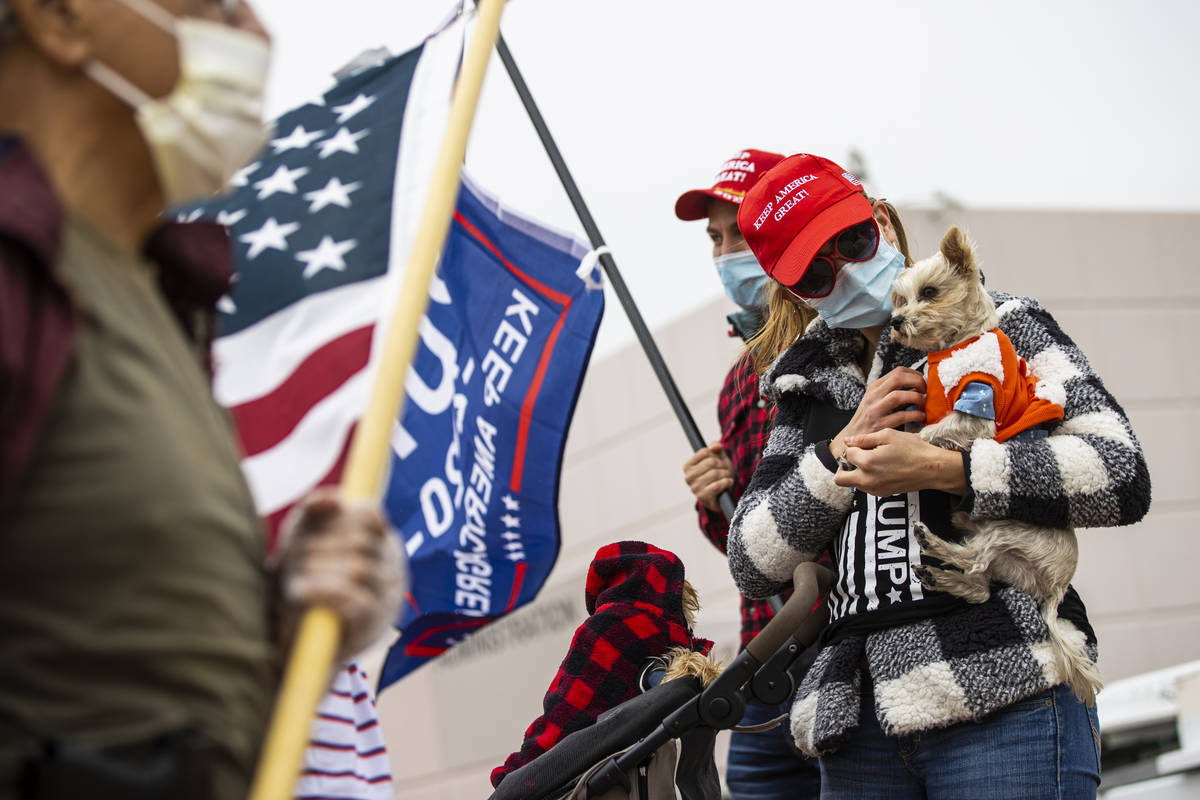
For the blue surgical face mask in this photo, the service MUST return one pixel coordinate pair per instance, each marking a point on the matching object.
(744, 280)
(862, 296)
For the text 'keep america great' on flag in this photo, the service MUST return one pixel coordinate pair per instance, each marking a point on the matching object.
(322, 224)
(508, 330)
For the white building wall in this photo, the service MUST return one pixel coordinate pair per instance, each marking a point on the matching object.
(1125, 286)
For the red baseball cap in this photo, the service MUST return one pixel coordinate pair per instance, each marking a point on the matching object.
(736, 176)
(799, 205)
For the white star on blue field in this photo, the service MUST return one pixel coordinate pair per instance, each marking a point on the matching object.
(313, 212)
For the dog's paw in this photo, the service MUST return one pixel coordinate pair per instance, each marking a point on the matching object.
(925, 576)
(922, 533)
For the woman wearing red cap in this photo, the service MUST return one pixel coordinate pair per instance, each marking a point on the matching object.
(915, 693)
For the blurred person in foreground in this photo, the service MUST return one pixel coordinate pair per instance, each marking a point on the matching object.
(761, 766)
(142, 632)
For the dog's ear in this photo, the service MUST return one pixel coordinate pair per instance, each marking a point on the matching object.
(956, 249)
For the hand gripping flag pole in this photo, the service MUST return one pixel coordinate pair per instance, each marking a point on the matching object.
(307, 674)
(610, 266)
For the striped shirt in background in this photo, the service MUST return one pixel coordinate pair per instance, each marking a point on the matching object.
(346, 757)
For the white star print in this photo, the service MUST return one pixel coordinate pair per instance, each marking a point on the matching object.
(242, 176)
(190, 216)
(342, 142)
(326, 255)
(225, 305)
(282, 180)
(230, 218)
(271, 235)
(510, 521)
(511, 503)
(296, 140)
(335, 193)
(894, 595)
(353, 107)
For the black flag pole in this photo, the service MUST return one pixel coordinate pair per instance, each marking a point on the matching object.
(610, 266)
(674, 397)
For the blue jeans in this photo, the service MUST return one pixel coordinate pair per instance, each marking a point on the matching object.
(1045, 746)
(765, 766)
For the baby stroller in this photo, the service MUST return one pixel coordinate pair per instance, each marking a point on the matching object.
(659, 745)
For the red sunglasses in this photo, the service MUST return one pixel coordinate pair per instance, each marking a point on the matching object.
(856, 243)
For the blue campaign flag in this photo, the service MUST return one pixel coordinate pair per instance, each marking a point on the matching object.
(474, 484)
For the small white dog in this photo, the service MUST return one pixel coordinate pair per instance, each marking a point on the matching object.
(939, 304)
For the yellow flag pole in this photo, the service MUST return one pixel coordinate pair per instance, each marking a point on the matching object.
(307, 675)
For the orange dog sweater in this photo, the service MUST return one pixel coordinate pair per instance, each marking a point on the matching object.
(988, 358)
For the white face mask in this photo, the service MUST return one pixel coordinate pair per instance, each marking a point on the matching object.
(210, 124)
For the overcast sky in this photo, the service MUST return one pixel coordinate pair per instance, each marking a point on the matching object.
(1020, 104)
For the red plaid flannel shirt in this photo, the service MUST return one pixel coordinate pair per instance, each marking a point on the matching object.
(635, 598)
(745, 419)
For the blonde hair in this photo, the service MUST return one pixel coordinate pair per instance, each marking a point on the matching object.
(682, 662)
(898, 226)
(785, 319)
(783, 324)
(691, 603)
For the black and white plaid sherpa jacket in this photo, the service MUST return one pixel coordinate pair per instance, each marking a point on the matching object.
(965, 664)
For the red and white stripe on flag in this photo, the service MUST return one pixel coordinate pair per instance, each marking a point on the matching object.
(297, 378)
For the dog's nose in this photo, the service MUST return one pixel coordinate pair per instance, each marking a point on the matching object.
(897, 323)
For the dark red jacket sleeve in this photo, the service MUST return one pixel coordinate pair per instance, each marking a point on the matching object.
(37, 328)
(37, 323)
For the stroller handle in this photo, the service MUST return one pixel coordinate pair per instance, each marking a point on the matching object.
(722, 703)
(810, 581)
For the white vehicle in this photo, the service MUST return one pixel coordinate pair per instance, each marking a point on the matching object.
(1150, 735)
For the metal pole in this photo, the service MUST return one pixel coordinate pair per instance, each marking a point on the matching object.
(610, 267)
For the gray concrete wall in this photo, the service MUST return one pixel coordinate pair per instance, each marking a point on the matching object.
(1125, 286)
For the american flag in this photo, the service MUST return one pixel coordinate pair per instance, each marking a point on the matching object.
(321, 225)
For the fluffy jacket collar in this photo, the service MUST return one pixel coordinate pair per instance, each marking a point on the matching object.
(823, 364)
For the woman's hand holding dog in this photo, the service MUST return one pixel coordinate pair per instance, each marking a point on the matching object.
(883, 461)
(892, 462)
(885, 405)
